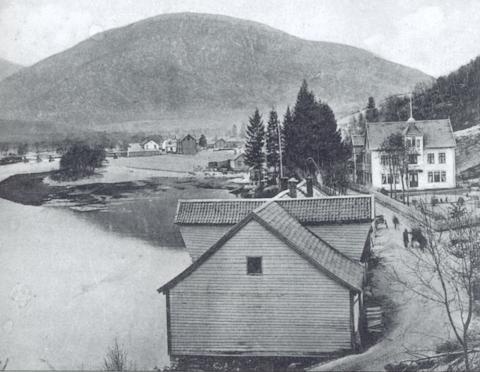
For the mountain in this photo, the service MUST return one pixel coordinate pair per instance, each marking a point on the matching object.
(194, 69)
(8, 68)
(455, 96)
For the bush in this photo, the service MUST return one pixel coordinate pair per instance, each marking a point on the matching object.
(116, 359)
(80, 160)
(417, 236)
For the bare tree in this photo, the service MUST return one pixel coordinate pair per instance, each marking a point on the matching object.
(396, 154)
(117, 359)
(445, 270)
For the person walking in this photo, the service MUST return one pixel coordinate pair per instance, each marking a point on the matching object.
(395, 221)
(405, 238)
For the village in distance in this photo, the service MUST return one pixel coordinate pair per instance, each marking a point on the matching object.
(304, 234)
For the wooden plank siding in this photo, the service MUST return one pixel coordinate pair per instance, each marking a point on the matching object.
(198, 238)
(291, 309)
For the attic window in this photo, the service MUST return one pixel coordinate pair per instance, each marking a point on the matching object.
(254, 266)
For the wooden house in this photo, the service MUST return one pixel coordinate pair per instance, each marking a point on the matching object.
(220, 144)
(187, 145)
(237, 164)
(269, 278)
(147, 147)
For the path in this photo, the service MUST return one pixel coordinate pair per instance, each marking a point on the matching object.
(419, 324)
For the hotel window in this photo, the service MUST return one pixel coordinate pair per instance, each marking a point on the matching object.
(254, 266)
(384, 179)
(430, 177)
(412, 159)
(409, 142)
(418, 143)
(397, 179)
(384, 160)
(431, 158)
(436, 176)
(443, 176)
(441, 158)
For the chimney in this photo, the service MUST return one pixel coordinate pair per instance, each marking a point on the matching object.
(292, 186)
(309, 187)
(283, 183)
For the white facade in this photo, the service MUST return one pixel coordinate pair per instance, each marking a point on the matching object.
(151, 146)
(169, 145)
(435, 166)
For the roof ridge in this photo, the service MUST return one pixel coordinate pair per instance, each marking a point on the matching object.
(316, 236)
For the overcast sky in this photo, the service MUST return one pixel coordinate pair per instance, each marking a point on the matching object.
(434, 36)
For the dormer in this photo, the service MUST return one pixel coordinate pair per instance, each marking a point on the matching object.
(413, 136)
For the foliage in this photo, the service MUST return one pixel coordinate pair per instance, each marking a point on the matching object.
(455, 96)
(361, 124)
(22, 148)
(371, 114)
(3, 365)
(202, 141)
(81, 160)
(274, 135)
(254, 155)
(117, 359)
(312, 135)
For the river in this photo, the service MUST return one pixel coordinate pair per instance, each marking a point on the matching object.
(70, 284)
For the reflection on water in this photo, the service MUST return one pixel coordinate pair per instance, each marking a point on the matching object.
(151, 217)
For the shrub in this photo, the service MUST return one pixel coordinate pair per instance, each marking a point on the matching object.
(116, 359)
(80, 160)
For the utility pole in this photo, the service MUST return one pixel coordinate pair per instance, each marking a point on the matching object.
(280, 149)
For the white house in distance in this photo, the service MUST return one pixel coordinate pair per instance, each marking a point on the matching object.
(431, 167)
(170, 145)
(147, 147)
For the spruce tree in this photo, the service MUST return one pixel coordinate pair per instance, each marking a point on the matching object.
(371, 114)
(313, 134)
(272, 145)
(254, 155)
(202, 142)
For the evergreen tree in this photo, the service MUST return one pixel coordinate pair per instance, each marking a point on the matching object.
(313, 134)
(202, 142)
(371, 115)
(254, 155)
(273, 137)
(234, 130)
(361, 124)
(243, 131)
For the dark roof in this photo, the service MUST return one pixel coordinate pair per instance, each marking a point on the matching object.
(337, 209)
(275, 218)
(188, 137)
(436, 133)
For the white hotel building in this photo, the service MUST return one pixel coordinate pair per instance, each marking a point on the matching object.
(431, 167)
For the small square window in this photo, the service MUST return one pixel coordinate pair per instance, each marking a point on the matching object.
(254, 266)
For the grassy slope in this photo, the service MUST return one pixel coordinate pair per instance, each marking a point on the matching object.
(194, 69)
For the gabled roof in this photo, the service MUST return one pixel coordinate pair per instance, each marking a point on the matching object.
(358, 141)
(335, 209)
(275, 218)
(436, 133)
(412, 129)
(188, 137)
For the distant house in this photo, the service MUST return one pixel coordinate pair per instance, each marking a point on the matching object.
(233, 144)
(187, 145)
(220, 144)
(270, 277)
(432, 158)
(237, 164)
(148, 147)
(170, 145)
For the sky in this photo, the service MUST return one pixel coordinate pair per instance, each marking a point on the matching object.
(435, 36)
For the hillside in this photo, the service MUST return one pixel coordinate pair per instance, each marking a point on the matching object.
(455, 96)
(194, 69)
(7, 68)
